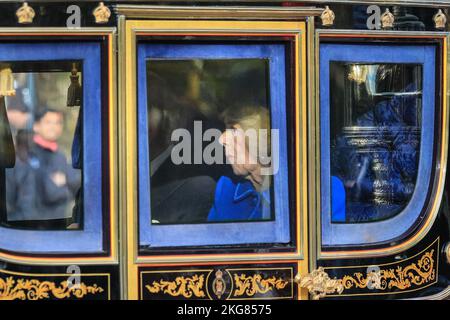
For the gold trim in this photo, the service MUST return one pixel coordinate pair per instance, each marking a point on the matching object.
(397, 277)
(155, 285)
(433, 205)
(11, 288)
(256, 284)
(214, 12)
(128, 32)
(113, 259)
(181, 286)
(319, 284)
(33, 289)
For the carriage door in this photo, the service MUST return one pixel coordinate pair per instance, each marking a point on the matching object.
(58, 236)
(214, 138)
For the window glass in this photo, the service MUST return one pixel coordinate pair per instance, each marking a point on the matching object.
(209, 140)
(43, 181)
(375, 130)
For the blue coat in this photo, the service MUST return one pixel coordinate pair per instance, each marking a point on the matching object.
(237, 201)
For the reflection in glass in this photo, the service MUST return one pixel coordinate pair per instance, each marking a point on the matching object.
(43, 188)
(197, 95)
(375, 138)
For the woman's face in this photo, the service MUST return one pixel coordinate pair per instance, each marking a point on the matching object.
(236, 151)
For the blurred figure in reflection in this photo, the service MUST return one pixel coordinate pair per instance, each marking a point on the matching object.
(18, 113)
(20, 190)
(246, 195)
(20, 179)
(56, 181)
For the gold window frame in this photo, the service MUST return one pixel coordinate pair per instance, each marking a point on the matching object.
(194, 23)
(315, 144)
(81, 258)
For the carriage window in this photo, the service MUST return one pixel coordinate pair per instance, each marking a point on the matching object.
(43, 176)
(375, 128)
(212, 144)
(209, 129)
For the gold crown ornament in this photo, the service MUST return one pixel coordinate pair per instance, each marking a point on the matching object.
(387, 20)
(327, 17)
(440, 20)
(25, 14)
(101, 13)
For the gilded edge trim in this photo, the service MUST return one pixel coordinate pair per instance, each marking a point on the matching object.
(385, 279)
(215, 12)
(73, 259)
(34, 289)
(134, 28)
(425, 227)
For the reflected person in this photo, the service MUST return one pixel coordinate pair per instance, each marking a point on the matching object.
(56, 181)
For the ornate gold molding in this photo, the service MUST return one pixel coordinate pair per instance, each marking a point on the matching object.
(401, 278)
(33, 289)
(251, 285)
(423, 271)
(181, 286)
(319, 284)
(215, 12)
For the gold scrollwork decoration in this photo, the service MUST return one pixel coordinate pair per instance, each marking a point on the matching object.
(33, 289)
(319, 284)
(400, 277)
(423, 271)
(251, 285)
(181, 286)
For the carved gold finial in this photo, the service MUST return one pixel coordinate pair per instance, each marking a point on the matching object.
(327, 17)
(319, 283)
(387, 20)
(25, 14)
(101, 13)
(6, 82)
(440, 20)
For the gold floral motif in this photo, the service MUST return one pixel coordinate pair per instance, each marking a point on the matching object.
(319, 283)
(33, 289)
(251, 285)
(182, 286)
(401, 277)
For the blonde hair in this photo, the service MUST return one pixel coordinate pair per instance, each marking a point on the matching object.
(249, 117)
